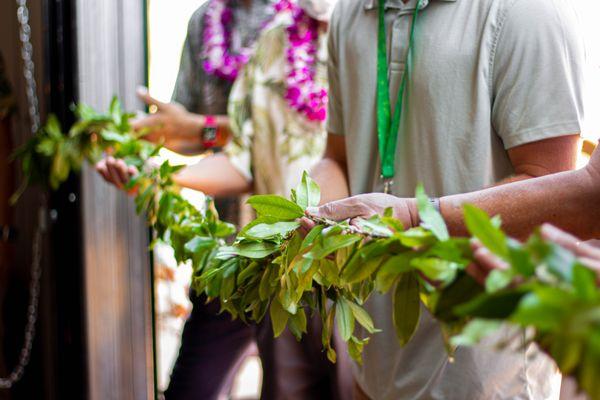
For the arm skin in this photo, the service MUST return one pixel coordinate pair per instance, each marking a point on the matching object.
(568, 200)
(331, 171)
(175, 127)
(486, 261)
(520, 217)
(213, 175)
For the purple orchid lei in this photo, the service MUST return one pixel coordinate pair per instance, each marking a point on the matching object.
(303, 94)
(217, 40)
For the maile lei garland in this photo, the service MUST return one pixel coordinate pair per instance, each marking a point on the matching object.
(303, 94)
(270, 268)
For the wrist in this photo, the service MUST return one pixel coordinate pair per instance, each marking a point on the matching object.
(214, 131)
(194, 124)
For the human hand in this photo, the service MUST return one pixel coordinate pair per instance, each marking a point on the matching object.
(171, 124)
(364, 206)
(115, 171)
(486, 261)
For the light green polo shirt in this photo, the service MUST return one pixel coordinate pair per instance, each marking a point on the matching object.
(488, 75)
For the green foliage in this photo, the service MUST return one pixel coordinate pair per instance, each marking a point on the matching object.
(333, 270)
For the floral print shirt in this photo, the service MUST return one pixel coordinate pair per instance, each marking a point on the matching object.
(273, 144)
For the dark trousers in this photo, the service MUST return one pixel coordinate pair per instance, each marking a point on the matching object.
(212, 346)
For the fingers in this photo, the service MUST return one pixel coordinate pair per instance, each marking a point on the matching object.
(102, 169)
(476, 273)
(569, 242)
(144, 95)
(151, 122)
(485, 262)
(116, 171)
(338, 210)
(306, 223)
(562, 238)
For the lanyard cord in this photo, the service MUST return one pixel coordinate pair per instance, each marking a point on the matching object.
(388, 127)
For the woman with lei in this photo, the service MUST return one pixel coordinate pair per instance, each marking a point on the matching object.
(276, 114)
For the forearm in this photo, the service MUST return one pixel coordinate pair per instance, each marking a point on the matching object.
(568, 200)
(331, 177)
(214, 175)
(191, 142)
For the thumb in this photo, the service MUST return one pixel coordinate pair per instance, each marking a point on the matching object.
(144, 95)
(336, 210)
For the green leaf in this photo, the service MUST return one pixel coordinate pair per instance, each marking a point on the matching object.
(363, 317)
(430, 217)
(279, 317)
(407, 307)
(60, 170)
(355, 267)
(329, 271)
(520, 259)
(53, 127)
(391, 269)
(250, 249)
(475, 331)
(436, 269)
(355, 348)
(312, 236)
(271, 231)
(416, 238)
(265, 288)
(331, 244)
(199, 243)
(480, 225)
(584, 283)
(344, 318)
(363, 270)
(308, 193)
(567, 352)
(463, 290)
(498, 305)
(373, 226)
(276, 207)
(257, 221)
(499, 279)
(544, 308)
(297, 324)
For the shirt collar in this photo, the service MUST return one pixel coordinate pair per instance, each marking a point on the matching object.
(397, 4)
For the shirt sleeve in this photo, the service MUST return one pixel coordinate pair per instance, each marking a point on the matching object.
(238, 150)
(188, 85)
(334, 123)
(537, 73)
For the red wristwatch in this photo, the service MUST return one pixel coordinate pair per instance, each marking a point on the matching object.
(210, 132)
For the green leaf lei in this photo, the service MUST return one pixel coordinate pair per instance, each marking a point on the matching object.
(546, 295)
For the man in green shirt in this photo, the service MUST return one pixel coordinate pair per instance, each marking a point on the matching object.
(494, 95)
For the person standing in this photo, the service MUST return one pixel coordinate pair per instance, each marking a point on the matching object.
(276, 116)
(219, 38)
(458, 95)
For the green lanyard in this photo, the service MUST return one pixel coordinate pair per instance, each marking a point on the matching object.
(387, 128)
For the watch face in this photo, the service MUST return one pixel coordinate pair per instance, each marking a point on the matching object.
(209, 134)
